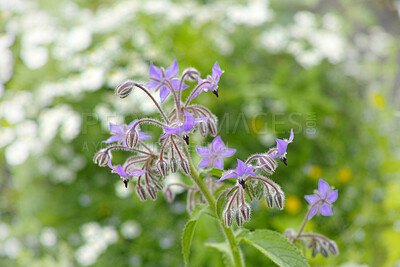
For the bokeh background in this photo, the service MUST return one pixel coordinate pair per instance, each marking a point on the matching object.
(328, 69)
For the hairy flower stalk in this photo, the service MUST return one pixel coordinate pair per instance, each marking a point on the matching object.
(150, 164)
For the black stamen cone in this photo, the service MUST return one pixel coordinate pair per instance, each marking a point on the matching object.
(186, 138)
(283, 159)
(215, 92)
(126, 183)
(242, 183)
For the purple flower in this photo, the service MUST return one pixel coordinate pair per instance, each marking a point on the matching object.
(214, 153)
(281, 145)
(185, 128)
(239, 173)
(159, 78)
(213, 81)
(322, 199)
(125, 175)
(119, 132)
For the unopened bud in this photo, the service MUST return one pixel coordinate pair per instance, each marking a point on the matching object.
(162, 167)
(124, 89)
(245, 211)
(333, 248)
(314, 251)
(203, 128)
(169, 195)
(185, 166)
(270, 201)
(280, 200)
(191, 74)
(324, 252)
(132, 138)
(141, 192)
(151, 192)
(173, 164)
(158, 186)
(212, 127)
(268, 164)
(228, 216)
(238, 218)
(101, 158)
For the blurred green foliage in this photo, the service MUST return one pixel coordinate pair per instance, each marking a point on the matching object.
(329, 69)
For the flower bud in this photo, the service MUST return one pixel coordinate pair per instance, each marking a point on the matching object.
(280, 200)
(132, 138)
(324, 252)
(314, 251)
(212, 127)
(245, 211)
(140, 192)
(191, 74)
(228, 216)
(169, 195)
(203, 128)
(124, 89)
(173, 163)
(151, 192)
(101, 158)
(333, 248)
(238, 218)
(185, 166)
(268, 164)
(162, 167)
(270, 200)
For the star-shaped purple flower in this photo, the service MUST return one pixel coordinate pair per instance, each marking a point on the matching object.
(185, 128)
(213, 81)
(322, 199)
(119, 132)
(159, 79)
(214, 154)
(125, 175)
(281, 145)
(239, 173)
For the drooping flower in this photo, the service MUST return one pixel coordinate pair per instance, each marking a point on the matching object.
(125, 175)
(119, 133)
(212, 81)
(239, 173)
(322, 199)
(281, 145)
(159, 79)
(214, 154)
(186, 126)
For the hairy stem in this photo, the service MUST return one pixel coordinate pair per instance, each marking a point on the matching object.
(230, 236)
(305, 221)
(154, 101)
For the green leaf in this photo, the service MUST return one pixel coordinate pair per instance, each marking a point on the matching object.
(216, 172)
(275, 246)
(190, 227)
(224, 248)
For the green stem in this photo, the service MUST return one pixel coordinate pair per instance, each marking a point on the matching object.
(230, 236)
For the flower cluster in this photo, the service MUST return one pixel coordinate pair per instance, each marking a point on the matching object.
(320, 203)
(149, 164)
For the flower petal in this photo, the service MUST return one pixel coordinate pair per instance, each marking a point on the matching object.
(313, 212)
(152, 85)
(169, 131)
(227, 175)
(144, 136)
(217, 144)
(155, 72)
(203, 151)
(205, 162)
(136, 172)
(291, 136)
(120, 171)
(219, 163)
(114, 138)
(227, 152)
(332, 196)
(216, 72)
(241, 168)
(323, 188)
(116, 129)
(326, 210)
(282, 146)
(172, 70)
(109, 164)
(311, 198)
(189, 123)
(164, 92)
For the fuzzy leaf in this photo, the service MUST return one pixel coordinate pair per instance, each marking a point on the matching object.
(275, 246)
(216, 172)
(223, 247)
